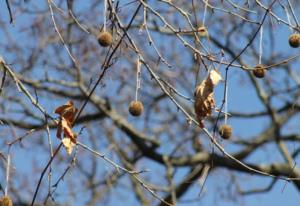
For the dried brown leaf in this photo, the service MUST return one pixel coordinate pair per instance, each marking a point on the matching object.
(67, 114)
(68, 111)
(204, 96)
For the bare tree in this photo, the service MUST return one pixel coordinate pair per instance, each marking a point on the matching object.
(148, 102)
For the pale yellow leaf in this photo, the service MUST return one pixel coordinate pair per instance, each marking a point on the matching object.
(68, 144)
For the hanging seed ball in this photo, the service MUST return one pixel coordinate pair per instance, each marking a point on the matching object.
(105, 39)
(6, 201)
(225, 131)
(259, 71)
(136, 108)
(294, 40)
(202, 31)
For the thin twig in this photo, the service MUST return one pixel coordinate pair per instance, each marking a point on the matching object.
(44, 172)
(11, 19)
(7, 172)
(118, 167)
(59, 34)
(3, 80)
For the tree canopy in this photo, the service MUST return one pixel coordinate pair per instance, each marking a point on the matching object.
(148, 102)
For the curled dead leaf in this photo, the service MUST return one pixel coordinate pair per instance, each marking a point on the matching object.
(204, 96)
(67, 114)
(65, 127)
(68, 111)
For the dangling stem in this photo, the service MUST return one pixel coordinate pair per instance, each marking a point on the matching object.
(225, 98)
(226, 103)
(104, 15)
(138, 79)
(204, 14)
(260, 44)
(288, 18)
(7, 172)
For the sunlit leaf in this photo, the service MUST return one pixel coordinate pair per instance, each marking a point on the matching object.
(68, 144)
(204, 96)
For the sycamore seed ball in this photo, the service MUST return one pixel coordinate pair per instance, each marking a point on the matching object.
(259, 71)
(225, 131)
(136, 108)
(294, 40)
(6, 201)
(105, 39)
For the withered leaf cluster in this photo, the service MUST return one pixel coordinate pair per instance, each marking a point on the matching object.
(67, 115)
(204, 96)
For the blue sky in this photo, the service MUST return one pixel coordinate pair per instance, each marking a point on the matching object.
(242, 97)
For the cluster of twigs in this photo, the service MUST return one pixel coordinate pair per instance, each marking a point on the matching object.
(200, 42)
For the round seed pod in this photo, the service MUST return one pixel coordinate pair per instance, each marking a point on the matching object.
(225, 131)
(6, 201)
(202, 31)
(294, 40)
(136, 108)
(105, 39)
(259, 71)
